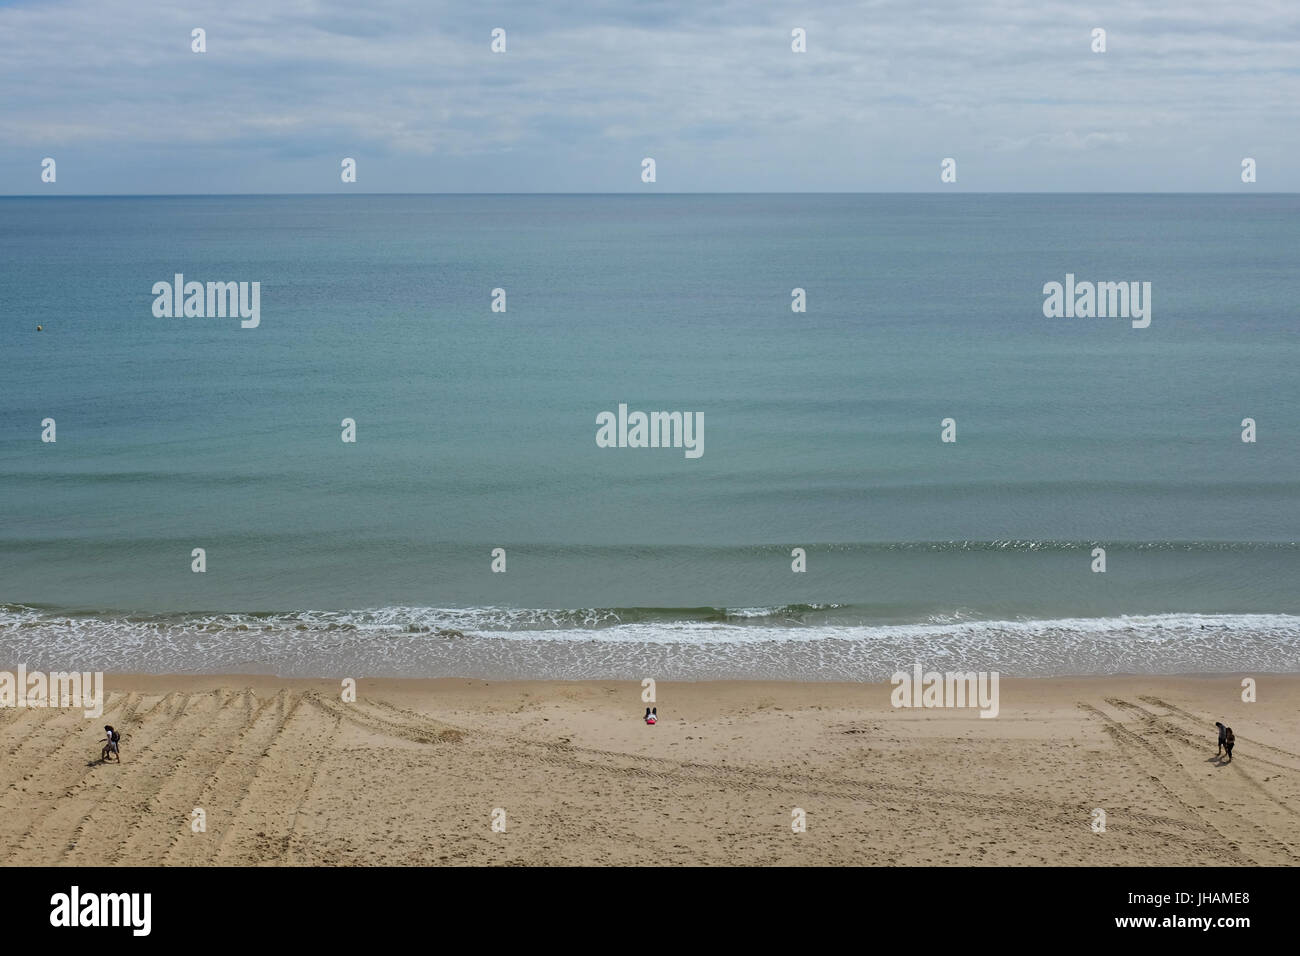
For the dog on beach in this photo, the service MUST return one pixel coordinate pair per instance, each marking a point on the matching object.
(652, 715)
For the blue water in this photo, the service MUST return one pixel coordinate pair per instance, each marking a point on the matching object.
(476, 430)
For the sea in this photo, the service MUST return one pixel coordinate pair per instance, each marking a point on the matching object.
(476, 528)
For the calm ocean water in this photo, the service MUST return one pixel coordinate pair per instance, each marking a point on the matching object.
(476, 430)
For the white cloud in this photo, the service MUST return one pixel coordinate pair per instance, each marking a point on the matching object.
(886, 86)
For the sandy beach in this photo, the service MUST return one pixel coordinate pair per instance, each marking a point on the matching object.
(286, 773)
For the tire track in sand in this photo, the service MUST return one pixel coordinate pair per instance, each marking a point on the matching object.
(1194, 742)
(263, 825)
(227, 785)
(103, 831)
(1154, 759)
(1206, 722)
(52, 834)
(419, 728)
(60, 768)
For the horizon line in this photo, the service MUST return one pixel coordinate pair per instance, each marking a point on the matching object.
(651, 193)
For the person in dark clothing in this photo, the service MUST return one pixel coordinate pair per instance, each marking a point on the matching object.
(1226, 740)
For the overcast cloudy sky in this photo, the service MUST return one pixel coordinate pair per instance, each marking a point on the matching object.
(712, 91)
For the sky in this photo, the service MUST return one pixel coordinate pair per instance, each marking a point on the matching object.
(1012, 91)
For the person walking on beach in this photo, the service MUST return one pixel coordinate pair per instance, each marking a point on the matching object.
(111, 741)
(1226, 740)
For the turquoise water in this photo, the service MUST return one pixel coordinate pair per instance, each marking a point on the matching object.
(476, 430)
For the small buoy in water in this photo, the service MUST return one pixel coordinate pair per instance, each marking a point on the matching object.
(40, 329)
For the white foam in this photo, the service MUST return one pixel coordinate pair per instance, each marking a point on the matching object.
(760, 642)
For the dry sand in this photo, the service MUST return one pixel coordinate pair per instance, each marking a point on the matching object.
(410, 774)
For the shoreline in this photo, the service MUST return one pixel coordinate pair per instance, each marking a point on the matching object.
(262, 679)
(777, 643)
(411, 772)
